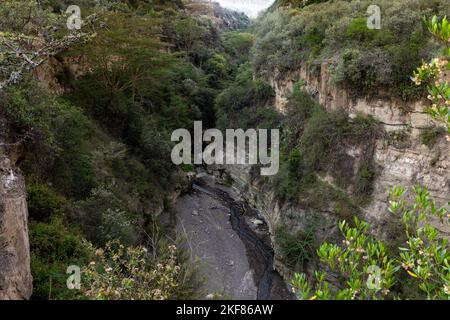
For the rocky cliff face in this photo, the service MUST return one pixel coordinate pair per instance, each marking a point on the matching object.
(273, 211)
(225, 18)
(392, 113)
(15, 273)
(404, 161)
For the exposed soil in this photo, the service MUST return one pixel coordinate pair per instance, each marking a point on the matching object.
(234, 253)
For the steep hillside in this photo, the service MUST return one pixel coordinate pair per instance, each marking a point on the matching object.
(88, 105)
(353, 123)
(91, 125)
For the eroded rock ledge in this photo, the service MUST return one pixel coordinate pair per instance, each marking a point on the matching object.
(15, 271)
(406, 164)
(409, 164)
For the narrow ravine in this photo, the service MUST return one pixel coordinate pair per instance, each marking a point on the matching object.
(235, 256)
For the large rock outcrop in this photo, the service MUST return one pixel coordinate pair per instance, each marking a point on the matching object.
(224, 18)
(15, 273)
(407, 162)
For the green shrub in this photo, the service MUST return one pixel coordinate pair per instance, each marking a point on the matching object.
(365, 178)
(239, 43)
(297, 248)
(102, 218)
(335, 32)
(217, 66)
(314, 144)
(43, 202)
(314, 41)
(55, 137)
(295, 162)
(128, 273)
(356, 70)
(245, 103)
(434, 73)
(325, 136)
(300, 107)
(358, 31)
(362, 267)
(53, 249)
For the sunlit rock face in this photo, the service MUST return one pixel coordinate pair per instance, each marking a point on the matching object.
(223, 18)
(250, 7)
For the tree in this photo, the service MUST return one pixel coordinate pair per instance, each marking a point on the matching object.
(432, 73)
(239, 43)
(185, 32)
(127, 55)
(362, 267)
(29, 34)
(426, 254)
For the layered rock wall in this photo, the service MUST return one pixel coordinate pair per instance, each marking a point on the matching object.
(15, 272)
(407, 162)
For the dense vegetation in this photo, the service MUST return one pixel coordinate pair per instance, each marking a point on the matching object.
(335, 33)
(434, 72)
(97, 157)
(416, 266)
(314, 143)
(96, 141)
(365, 268)
(316, 172)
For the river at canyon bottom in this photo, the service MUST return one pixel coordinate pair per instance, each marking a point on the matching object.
(230, 243)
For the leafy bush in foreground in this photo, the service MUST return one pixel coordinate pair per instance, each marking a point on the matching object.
(363, 268)
(433, 73)
(120, 272)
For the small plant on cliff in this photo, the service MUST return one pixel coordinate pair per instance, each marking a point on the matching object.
(433, 73)
(363, 268)
(429, 136)
(295, 248)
